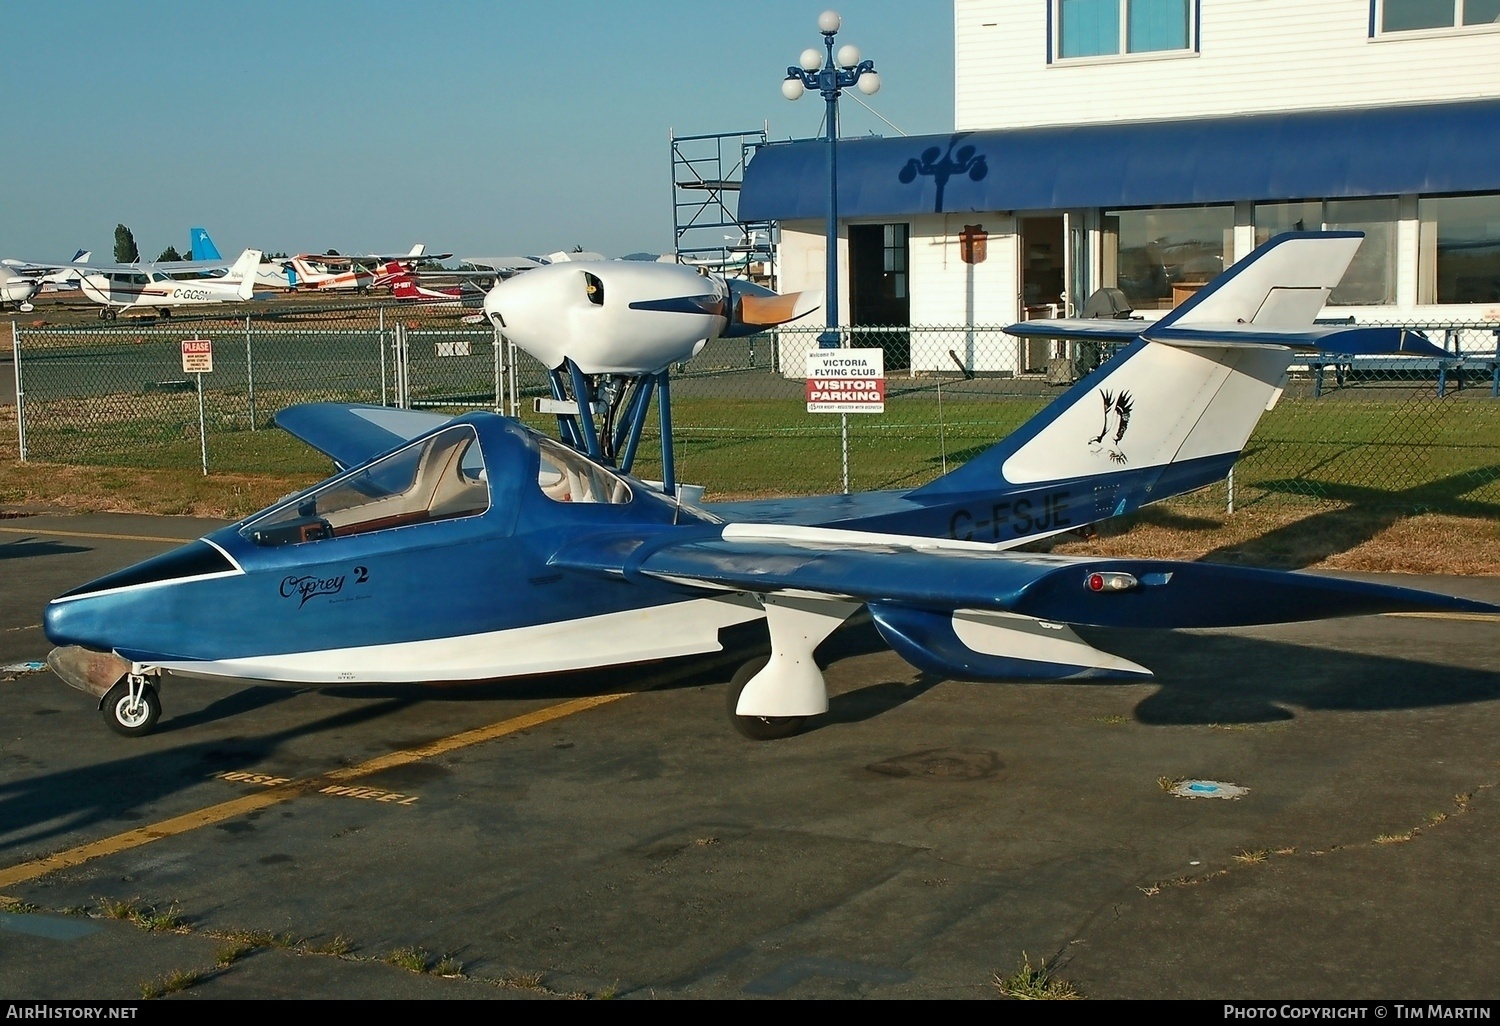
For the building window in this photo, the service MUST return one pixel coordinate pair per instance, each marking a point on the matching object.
(1371, 278)
(1416, 15)
(1105, 28)
(1459, 258)
(1160, 257)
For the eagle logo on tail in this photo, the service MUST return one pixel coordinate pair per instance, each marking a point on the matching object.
(1117, 410)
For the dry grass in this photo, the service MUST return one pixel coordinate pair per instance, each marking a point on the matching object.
(412, 959)
(1035, 983)
(525, 980)
(174, 981)
(147, 917)
(1302, 536)
(1290, 534)
(76, 489)
(338, 945)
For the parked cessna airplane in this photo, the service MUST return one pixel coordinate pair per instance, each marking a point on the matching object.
(49, 277)
(18, 289)
(119, 287)
(476, 548)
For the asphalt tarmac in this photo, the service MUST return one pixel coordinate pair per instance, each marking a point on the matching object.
(609, 835)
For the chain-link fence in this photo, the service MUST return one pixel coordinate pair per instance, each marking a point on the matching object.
(1419, 433)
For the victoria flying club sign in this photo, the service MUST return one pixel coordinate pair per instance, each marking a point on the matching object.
(846, 381)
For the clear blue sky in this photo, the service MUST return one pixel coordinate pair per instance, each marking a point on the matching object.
(492, 128)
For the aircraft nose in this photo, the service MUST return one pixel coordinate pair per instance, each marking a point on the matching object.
(74, 622)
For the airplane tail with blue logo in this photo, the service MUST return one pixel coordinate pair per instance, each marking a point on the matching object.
(201, 246)
(1173, 409)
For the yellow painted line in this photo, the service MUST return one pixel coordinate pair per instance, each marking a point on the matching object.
(89, 534)
(1473, 617)
(286, 792)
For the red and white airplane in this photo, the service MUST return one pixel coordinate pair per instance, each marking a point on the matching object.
(405, 286)
(331, 273)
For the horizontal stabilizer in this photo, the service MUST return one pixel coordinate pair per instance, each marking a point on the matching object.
(1349, 340)
(1272, 297)
(350, 434)
(1083, 329)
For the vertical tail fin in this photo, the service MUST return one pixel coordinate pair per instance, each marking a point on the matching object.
(244, 268)
(403, 285)
(1173, 409)
(201, 246)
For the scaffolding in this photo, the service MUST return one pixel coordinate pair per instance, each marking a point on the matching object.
(706, 228)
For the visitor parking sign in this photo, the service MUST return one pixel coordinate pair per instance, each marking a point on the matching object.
(846, 381)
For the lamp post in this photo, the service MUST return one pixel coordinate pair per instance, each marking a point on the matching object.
(830, 75)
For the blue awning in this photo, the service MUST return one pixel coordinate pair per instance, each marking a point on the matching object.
(1327, 154)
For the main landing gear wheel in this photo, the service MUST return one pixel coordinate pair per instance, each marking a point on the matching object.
(758, 728)
(132, 706)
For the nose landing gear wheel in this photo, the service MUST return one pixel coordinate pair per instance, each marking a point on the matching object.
(131, 707)
(758, 728)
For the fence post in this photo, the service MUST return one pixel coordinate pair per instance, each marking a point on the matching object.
(403, 369)
(510, 359)
(1494, 369)
(1230, 482)
(202, 426)
(15, 354)
(844, 424)
(380, 341)
(495, 347)
(249, 373)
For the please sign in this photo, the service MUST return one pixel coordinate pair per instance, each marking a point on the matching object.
(846, 381)
(197, 356)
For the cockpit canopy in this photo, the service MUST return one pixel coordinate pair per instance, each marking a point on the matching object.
(566, 475)
(439, 477)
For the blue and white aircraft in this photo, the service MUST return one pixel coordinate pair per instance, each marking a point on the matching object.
(475, 548)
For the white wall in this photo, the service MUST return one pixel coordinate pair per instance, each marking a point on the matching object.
(937, 283)
(1254, 56)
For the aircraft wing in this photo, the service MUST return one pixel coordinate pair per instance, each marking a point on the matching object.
(383, 258)
(1101, 329)
(1333, 338)
(500, 264)
(350, 434)
(940, 576)
(27, 269)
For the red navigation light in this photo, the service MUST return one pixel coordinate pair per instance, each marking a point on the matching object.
(1110, 580)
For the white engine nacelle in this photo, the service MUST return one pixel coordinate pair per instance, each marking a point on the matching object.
(610, 317)
(631, 318)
